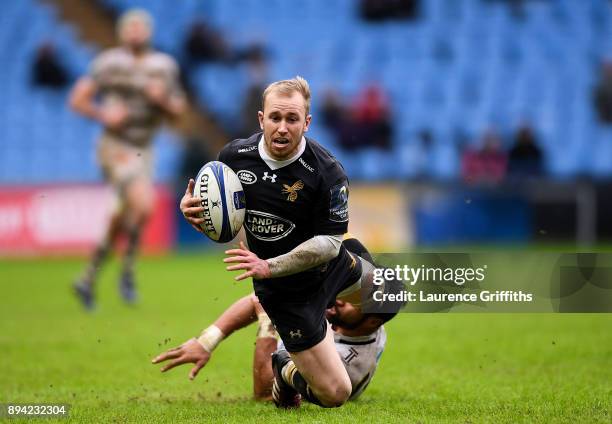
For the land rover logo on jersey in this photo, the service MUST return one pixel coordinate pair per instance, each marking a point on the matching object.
(246, 177)
(267, 227)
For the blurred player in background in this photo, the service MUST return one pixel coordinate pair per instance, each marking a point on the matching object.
(129, 90)
(359, 338)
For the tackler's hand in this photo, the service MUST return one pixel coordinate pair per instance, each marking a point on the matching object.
(189, 352)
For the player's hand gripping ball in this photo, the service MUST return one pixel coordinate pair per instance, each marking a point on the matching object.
(222, 197)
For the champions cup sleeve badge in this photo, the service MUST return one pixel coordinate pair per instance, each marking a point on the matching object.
(338, 204)
(291, 191)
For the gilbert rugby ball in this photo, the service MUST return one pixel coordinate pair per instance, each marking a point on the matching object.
(223, 201)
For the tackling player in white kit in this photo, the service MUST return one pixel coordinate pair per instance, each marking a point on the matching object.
(359, 339)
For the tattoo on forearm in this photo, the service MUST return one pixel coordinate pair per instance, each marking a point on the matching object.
(309, 254)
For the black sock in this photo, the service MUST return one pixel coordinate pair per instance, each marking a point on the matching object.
(97, 258)
(131, 250)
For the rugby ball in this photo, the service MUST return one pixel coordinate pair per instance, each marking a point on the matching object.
(222, 198)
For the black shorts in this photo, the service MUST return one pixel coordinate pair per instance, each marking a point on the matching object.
(301, 323)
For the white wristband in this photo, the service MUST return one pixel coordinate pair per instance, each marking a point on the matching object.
(210, 338)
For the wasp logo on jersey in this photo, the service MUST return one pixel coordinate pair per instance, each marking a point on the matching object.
(292, 190)
(266, 226)
(338, 203)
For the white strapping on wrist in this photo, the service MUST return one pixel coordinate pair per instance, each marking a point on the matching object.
(210, 338)
(266, 328)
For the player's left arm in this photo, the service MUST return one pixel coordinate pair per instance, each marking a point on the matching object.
(265, 345)
(172, 103)
(313, 252)
(165, 92)
(331, 223)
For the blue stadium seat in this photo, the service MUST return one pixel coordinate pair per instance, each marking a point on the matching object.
(464, 64)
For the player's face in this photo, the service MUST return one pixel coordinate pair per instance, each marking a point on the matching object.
(135, 34)
(345, 315)
(283, 122)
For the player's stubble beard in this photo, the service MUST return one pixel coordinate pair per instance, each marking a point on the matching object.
(138, 46)
(334, 319)
(139, 49)
(290, 154)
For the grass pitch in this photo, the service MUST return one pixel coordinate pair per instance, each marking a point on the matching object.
(436, 368)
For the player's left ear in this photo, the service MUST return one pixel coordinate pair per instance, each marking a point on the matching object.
(307, 122)
(260, 117)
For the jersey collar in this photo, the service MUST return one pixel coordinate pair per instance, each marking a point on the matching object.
(274, 164)
(365, 339)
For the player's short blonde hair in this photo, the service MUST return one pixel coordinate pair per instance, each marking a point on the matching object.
(287, 87)
(134, 15)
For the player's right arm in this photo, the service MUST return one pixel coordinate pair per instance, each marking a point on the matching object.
(191, 207)
(199, 350)
(265, 345)
(83, 100)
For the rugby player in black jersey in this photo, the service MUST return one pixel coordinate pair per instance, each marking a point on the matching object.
(297, 210)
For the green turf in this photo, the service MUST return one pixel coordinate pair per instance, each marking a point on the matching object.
(436, 368)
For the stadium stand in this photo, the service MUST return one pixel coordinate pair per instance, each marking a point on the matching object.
(460, 68)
